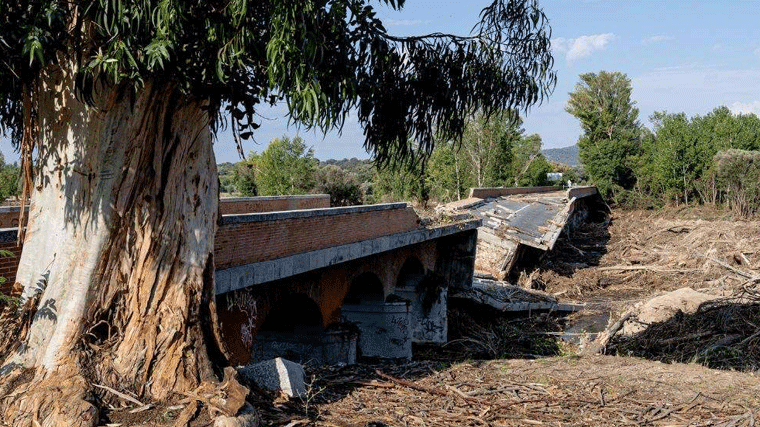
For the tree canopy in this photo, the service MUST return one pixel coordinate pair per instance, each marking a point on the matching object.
(322, 57)
(611, 130)
(287, 166)
(677, 159)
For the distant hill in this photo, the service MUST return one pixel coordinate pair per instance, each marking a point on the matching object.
(566, 155)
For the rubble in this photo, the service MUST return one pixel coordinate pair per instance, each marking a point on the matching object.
(511, 298)
(276, 374)
(518, 218)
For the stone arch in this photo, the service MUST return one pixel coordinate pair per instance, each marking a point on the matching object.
(296, 313)
(410, 275)
(365, 288)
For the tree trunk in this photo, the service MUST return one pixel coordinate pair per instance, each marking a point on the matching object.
(117, 264)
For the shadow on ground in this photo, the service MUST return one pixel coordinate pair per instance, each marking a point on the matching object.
(720, 335)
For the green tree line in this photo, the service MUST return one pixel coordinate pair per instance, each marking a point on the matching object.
(493, 151)
(701, 159)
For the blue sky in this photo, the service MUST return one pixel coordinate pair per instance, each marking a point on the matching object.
(681, 55)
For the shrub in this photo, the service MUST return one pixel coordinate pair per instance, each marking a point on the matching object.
(738, 178)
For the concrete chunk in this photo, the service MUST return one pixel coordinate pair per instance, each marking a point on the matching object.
(276, 374)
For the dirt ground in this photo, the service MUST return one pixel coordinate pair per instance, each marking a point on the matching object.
(643, 253)
(610, 266)
(558, 391)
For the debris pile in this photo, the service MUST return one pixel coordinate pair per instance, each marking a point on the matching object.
(690, 327)
(644, 253)
(592, 390)
(521, 220)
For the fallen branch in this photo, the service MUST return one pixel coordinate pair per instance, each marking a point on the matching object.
(600, 344)
(643, 267)
(742, 273)
(457, 393)
(121, 395)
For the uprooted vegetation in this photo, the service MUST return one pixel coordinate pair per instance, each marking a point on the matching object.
(641, 254)
(721, 334)
(650, 253)
(588, 391)
(479, 332)
(538, 379)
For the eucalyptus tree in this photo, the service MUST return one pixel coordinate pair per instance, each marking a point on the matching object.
(611, 130)
(114, 105)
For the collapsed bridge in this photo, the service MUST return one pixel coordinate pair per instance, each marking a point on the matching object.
(297, 278)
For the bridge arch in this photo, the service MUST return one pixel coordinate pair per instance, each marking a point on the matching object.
(365, 288)
(296, 313)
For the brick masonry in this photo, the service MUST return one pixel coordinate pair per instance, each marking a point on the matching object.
(245, 243)
(254, 238)
(244, 205)
(9, 265)
(9, 216)
(227, 206)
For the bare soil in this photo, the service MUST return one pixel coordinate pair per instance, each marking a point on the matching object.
(643, 253)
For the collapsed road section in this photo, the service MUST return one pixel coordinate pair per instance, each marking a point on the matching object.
(521, 219)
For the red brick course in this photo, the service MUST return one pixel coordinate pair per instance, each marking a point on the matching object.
(235, 206)
(8, 266)
(240, 244)
(9, 219)
(244, 243)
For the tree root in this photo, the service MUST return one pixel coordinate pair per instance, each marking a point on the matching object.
(65, 398)
(59, 399)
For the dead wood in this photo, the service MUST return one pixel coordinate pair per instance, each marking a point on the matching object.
(126, 397)
(187, 414)
(644, 267)
(603, 340)
(453, 392)
(742, 273)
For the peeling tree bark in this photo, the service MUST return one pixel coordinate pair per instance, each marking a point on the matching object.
(117, 262)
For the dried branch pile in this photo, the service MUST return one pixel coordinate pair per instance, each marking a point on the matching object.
(559, 391)
(643, 253)
(723, 334)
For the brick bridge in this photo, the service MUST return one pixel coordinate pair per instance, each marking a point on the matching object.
(299, 279)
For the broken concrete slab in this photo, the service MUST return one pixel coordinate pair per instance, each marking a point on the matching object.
(516, 218)
(276, 374)
(510, 298)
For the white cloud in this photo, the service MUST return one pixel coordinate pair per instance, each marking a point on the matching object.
(757, 51)
(745, 108)
(656, 39)
(582, 46)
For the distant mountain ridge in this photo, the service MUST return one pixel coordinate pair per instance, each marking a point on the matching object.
(565, 155)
